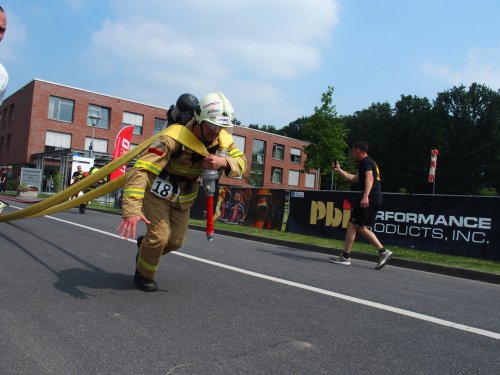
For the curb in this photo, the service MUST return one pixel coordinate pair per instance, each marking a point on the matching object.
(19, 200)
(403, 263)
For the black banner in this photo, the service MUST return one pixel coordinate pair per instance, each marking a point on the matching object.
(467, 226)
(256, 207)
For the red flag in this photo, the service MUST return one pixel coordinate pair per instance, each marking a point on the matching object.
(432, 169)
(122, 145)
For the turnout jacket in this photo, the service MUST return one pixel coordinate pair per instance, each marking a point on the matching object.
(168, 158)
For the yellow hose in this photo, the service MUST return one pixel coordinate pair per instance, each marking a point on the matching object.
(91, 195)
(74, 189)
(60, 201)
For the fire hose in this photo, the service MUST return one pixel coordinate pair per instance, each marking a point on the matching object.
(60, 202)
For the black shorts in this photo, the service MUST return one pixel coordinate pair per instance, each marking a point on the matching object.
(364, 216)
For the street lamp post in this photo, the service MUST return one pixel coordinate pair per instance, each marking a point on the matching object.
(94, 119)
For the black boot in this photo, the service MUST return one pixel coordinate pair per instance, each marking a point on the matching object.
(144, 284)
(82, 208)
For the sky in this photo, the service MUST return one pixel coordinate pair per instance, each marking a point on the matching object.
(273, 59)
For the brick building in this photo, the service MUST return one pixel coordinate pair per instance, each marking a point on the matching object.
(44, 125)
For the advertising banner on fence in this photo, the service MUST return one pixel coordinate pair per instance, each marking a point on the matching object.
(260, 208)
(467, 226)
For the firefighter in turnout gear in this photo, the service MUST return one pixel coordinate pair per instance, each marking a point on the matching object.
(163, 184)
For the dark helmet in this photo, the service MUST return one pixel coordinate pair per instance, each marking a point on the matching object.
(183, 110)
(187, 102)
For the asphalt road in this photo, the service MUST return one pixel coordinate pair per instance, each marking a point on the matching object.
(68, 306)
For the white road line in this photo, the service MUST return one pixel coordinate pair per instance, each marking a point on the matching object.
(376, 305)
(325, 292)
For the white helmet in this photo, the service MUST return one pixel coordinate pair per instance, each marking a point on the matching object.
(216, 109)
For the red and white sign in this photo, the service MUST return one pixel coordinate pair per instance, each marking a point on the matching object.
(432, 169)
(122, 145)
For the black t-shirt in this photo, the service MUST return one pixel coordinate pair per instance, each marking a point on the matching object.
(367, 164)
(77, 175)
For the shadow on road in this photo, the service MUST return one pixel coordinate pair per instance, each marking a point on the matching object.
(71, 280)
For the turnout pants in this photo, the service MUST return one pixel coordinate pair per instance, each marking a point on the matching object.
(166, 233)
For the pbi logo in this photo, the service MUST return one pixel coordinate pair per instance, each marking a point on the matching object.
(331, 216)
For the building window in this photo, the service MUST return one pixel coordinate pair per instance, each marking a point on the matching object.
(239, 142)
(102, 112)
(61, 109)
(278, 151)
(56, 139)
(133, 119)
(258, 157)
(310, 180)
(295, 154)
(277, 175)
(99, 145)
(1, 146)
(160, 124)
(293, 178)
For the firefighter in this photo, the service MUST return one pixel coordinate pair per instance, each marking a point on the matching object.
(163, 184)
(97, 184)
(77, 176)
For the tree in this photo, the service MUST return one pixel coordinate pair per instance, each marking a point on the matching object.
(327, 135)
(264, 128)
(295, 129)
(369, 124)
(411, 138)
(463, 123)
(269, 129)
(57, 179)
(372, 126)
(468, 120)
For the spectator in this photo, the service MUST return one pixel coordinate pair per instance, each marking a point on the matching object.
(365, 209)
(3, 181)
